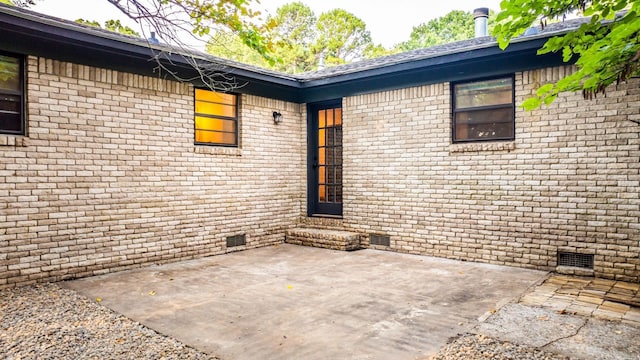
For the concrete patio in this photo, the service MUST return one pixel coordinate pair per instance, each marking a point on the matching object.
(288, 301)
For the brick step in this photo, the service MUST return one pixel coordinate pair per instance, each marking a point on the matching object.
(323, 238)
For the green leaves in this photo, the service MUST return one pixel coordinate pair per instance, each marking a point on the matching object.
(299, 40)
(544, 89)
(342, 37)
(111, 25)
(605, 50)
(454, 26)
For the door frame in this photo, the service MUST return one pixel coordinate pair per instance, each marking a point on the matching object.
(313, 206)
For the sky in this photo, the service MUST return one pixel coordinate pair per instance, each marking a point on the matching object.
(390, 21)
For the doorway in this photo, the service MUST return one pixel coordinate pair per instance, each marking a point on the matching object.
(325, 158)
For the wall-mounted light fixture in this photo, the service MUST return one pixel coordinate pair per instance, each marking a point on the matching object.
(277, 117)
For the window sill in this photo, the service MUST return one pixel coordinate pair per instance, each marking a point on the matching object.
(326, 216)
(507, 146)
(13, 141)
(217, 150)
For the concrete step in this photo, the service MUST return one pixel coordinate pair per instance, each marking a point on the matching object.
(323, 238)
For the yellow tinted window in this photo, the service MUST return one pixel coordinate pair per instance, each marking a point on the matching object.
(215, 137)
(216, 117)
(203, 123)
(207, 108)
(214, 96)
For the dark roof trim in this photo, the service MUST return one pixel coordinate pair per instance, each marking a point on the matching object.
(484, 62)
(27, 32)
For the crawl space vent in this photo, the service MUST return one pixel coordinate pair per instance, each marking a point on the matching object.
(236, 240)
(377, 239)
(584, 261)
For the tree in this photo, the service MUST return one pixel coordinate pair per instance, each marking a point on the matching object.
(227, 45)
(116, 26)
(111, 25)
(293, 35)
(376, 50)
(342, 37)
(455, 26)
(300, 40)
(294, 22)
(171, 18)
(174, 20)
(20, 3)
(606, 49)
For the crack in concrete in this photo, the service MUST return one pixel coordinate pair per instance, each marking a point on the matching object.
(586, 321)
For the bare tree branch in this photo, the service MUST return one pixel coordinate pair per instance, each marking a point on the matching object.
(182, 26)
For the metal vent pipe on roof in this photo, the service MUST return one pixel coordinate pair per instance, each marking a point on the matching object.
(480, 17)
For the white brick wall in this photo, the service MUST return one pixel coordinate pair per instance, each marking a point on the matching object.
(570, 181)
(108, 177)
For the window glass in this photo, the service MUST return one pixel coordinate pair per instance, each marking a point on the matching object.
(483, 110)
(204, 123)
(483, 93)
(214, 137)
(11, 96)
(9, 73)
(216, 118)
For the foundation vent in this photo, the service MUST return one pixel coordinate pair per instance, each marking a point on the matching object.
(236, 240)
(378, 239)
(584, 261)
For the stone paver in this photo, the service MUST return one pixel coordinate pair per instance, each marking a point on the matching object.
(572, 317)
(601, 298)
(293, 302)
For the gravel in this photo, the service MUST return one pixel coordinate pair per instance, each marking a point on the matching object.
(48, 322)
(471, 346)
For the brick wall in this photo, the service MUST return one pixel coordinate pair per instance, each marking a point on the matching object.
(108, 177)
(569, 182)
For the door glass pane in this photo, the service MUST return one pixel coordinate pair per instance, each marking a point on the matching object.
(329, 157)
(338, 116)
(322, 193)
(321, 157)
(331, 194)
(329, 117)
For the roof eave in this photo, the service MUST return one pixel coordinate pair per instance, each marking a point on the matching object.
(25, 34)
(479, 62)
